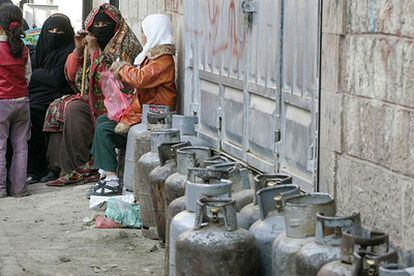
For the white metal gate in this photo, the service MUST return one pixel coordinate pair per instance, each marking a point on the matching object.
(234, 80)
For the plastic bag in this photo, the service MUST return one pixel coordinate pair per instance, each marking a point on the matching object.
(116, 102)
(103, 222)
(127, 214)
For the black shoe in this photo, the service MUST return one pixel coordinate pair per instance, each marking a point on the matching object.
(50, 176)
(32, 179)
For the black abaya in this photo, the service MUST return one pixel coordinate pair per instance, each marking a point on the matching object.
(47, 83)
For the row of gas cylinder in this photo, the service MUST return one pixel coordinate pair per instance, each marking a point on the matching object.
(216, 218)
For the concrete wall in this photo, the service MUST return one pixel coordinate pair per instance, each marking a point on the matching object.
(367, 112)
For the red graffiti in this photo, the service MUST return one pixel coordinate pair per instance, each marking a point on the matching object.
(211, 32)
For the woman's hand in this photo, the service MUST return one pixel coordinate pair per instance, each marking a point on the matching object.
(80, 41)
(117, 66)
(91, 43)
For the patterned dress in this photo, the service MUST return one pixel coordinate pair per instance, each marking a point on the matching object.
(123, 45)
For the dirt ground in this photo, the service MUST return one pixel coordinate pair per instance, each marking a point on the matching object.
(45, 234)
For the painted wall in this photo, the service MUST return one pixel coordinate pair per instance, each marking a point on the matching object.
(367, 112)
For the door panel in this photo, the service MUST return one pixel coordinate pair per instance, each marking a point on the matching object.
(254, 81)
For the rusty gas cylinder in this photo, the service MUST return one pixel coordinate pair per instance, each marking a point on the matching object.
(326, 246)
(300, 218)
(157, 178)
(139, 143)
(216, 246)
(271, 202)
(146, 164)
(207, 182)
(132, 152)
(376, 242)
(189, 157)
(250, 213)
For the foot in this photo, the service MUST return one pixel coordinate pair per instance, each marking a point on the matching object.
(32, 179)
(49, 177)
(3, 194)
(106, 187)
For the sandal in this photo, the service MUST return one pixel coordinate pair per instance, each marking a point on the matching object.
(82, 175)
(73, 178)
(102, 189)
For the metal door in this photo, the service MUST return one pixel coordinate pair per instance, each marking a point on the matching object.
(300, 90)
(233, 55)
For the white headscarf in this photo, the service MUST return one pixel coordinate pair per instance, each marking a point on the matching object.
(158, 30)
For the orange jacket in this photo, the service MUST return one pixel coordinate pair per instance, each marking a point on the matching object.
(154, 81)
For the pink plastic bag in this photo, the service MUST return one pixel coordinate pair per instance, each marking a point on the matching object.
(116, 102)
(103, 222)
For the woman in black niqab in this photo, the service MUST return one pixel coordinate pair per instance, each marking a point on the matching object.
(48, 82)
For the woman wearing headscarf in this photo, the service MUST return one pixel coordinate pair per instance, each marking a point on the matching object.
(72, 119)
(154, 81)
(5, 2)
(47, 84)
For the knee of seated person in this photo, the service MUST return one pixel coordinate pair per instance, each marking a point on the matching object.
(73, 107)
(101, 119)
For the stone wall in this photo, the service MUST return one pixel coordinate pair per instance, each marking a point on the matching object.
(367, 112)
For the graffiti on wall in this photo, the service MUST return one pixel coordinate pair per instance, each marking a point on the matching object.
(174, 5)
(223, 33)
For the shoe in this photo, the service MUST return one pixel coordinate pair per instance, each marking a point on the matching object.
(106, 187)
(49, 177)
(32, 179)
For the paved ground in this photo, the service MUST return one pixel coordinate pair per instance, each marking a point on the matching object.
(45, 234)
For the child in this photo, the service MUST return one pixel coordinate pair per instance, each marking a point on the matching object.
(15, 73)
(154, 81)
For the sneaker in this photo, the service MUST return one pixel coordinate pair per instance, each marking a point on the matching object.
(106, 187)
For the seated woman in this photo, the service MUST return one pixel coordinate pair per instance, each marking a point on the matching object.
(47, 84)
(154, 81)
(71, 119)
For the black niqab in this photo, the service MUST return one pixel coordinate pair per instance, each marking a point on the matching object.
(103, 34)
(48, 80)
(49, 45)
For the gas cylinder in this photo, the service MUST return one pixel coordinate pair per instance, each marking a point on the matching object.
(250, 213)
(376, 242)
(189, 157)
(146, 164)
(393, 269)
(134, 153)
(214, 160)
(271, 223)
(326, 246)
(205, 182)
(140, 143)
(300, 217)
(240, 177)
(157, 177)
(216, 246)
(187, 127)
(368, 263)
